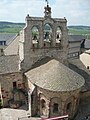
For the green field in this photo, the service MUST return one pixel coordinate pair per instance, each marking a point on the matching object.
(80, 30)
(9, 27)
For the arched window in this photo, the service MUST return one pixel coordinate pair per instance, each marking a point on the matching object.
(55, 107)
(58, 35)
(47, 32)
(43, 103)
(69, 105)
(35, 35)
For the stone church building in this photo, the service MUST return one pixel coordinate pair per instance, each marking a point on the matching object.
(41, 69)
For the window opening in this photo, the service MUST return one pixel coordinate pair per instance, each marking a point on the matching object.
(47, 33)
(58, 35)
(69, 106)
(88, 67)
(43, 103)
(55, 107)
(14, 84)
(1, 42)
(35, 35)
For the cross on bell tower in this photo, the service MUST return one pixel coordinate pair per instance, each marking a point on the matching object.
(47, 10)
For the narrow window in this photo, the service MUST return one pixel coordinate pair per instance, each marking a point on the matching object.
(88, 67)
(4, 42)
(58, 35)
(43, 103)
(35, 36)
(14, 84)
(55, 107)
(69, 106)
(1, 42)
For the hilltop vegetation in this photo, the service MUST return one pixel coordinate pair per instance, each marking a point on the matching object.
(9, 27)
(80, 30)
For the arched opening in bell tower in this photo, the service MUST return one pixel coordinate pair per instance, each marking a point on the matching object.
(35, 36)
(58, 34)
(47, 33)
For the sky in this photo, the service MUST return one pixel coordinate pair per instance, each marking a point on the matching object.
(77, 12)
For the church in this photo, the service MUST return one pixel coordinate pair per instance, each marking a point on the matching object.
(42, 70)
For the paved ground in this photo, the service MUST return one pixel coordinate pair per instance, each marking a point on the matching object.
(14, 114)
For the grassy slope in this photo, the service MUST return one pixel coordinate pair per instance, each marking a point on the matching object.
(80, 30)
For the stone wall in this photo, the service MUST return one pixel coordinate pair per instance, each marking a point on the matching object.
(8, 83)
(63, 99)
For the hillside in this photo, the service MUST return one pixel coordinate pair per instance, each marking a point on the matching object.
(80, 30)
(9, 27)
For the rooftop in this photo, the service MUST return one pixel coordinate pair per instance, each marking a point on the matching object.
(55, 77)
(78, 66)
(8, 37)
(76, 38)
(9, 64)
(12, 49)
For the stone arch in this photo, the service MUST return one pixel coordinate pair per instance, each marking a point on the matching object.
(55, 107)
(47, 34)
(58, 35)
(19, 98)
(44, 106)
(35, 35)
(69, 106)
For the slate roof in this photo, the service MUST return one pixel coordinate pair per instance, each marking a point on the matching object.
(8, 37)
(55, 76)
(76, 38)
(78, 66)
(9, 64)
(12, 49)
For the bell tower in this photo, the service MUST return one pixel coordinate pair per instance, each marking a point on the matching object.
(42, 37)
(47, 10)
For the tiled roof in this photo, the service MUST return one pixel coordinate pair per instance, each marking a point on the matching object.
(9, 64)
(78, 66)
(8, 37)
(12, 49)
(55, 76)
(74, 38)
